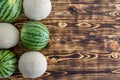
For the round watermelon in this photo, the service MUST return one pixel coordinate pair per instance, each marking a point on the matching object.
(10, 10)
(8, 63)
(34, 35)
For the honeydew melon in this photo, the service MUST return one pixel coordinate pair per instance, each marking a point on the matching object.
(32, 64)
(37, 9)
(9, 35)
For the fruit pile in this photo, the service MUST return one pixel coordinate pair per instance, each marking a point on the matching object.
(33, 35)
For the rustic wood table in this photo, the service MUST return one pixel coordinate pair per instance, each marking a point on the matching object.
(84, 41)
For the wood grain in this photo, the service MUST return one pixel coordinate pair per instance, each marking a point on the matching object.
(84, 42)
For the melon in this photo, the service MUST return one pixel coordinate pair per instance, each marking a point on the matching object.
(8, 63)
(10, 10)
(9, 35)
(37, 9)
(32, 64)
(34, 35)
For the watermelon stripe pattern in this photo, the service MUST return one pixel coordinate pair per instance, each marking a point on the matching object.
(34, 35)
(10, 10)
(8, 63)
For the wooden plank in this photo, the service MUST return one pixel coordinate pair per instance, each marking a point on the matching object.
(90, 12)
(71, 76)
(84, 41)
(87, 1)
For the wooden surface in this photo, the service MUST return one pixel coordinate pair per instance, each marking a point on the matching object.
(84, 42)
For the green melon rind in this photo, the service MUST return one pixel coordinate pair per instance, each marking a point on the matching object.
(34, 35)
(8, 63)
(10, 10)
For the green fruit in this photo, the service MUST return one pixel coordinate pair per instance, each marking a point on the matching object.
(8, 63)
(10, 10)
(34, 35)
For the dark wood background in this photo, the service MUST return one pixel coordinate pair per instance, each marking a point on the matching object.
(84, 42)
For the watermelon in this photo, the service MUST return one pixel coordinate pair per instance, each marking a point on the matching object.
(8, 63)
(10, 10)
(34, 35)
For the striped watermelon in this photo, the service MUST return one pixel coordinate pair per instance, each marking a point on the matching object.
(34, 35)
(8, 63)
(10, 10)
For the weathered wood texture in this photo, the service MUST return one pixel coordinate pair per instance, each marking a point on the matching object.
(84, 42)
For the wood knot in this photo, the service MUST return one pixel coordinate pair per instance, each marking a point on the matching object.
(62, 25)
(114, 55)
(117, 18)
(84, 24)
(73, 10)
(112, 45)
(116, 71)
(115, 13)
(76, 55)
(76, 9)
(53, 60)
(84, 55)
